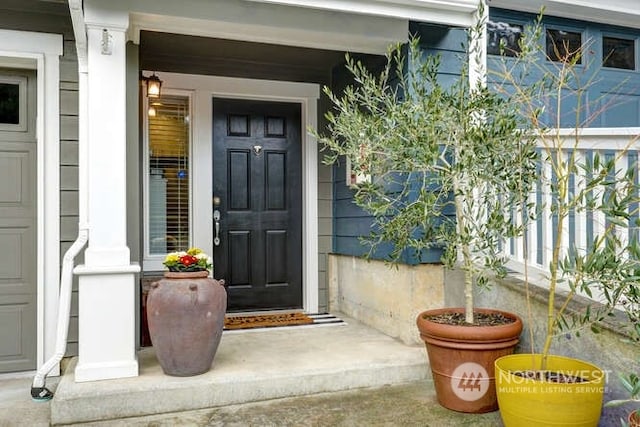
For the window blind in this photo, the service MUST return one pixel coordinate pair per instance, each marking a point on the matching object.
(168, 174)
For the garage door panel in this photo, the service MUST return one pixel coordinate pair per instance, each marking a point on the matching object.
(17, 248)
(17, 186)
(17, 314)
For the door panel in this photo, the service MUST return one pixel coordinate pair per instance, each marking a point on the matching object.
(257, 180)
(18, 329)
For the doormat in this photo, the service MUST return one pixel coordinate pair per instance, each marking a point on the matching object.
(235, 322)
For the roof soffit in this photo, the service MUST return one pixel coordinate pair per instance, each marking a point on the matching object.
(625, 13)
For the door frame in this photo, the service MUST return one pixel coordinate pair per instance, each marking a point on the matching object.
(41, 52)
(204, 89)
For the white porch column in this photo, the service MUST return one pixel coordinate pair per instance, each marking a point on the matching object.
(107, 279)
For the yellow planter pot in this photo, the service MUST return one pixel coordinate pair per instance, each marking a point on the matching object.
(527, 402)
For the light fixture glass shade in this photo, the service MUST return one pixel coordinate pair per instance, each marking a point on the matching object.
(153, 86)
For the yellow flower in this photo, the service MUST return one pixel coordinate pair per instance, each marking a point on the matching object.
(172, 257)
(194, 251)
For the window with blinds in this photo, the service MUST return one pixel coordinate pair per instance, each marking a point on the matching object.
(168, 174)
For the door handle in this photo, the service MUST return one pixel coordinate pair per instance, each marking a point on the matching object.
(216, 220)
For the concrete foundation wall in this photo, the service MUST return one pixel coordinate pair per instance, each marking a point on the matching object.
(388, 298)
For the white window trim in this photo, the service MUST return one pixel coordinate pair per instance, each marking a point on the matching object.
(21, 126)
(154, 262)
(43, 51)
(204, 89)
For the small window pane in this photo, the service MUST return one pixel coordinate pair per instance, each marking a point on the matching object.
(168, 175)
(505, 35)
(619, 53)
(9, 103)
(564, 45)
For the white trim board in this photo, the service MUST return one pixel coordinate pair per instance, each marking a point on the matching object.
(43, 51)
(204, 88)
(451, 12)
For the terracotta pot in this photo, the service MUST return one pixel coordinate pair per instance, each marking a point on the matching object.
(634, 419)
(186, 274)
(462, 359)
(186, 319)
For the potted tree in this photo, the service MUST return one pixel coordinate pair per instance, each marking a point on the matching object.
(438, 166)
(540, 388)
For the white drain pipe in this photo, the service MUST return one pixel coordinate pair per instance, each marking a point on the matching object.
(38, 390)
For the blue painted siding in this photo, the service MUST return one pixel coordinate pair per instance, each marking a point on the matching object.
(613, 96)
(350, 223)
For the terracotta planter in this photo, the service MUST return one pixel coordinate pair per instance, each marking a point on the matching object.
(186, 319)
(462, 359)
(529, 402)
(186, 274)
(634, 419)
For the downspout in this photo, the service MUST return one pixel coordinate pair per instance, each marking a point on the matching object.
(38, 390)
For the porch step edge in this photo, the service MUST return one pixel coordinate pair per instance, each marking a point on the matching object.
(184, 395)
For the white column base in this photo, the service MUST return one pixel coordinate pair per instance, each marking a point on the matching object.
(106, 323)
(105, 371)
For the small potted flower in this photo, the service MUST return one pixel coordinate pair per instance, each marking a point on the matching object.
(193, 261)
(185, 312)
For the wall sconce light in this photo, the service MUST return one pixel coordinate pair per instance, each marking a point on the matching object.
(154, 84)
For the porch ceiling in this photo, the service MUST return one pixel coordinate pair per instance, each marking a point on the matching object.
(45, 7)
(231, 58)
(256, 22)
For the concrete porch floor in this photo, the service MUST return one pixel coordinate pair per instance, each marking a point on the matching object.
(250, 366)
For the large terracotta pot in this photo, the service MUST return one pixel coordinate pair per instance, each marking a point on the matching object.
(462, 359)
(529, 402)
(185, 313)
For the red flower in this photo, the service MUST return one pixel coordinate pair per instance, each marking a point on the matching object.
(187, 260)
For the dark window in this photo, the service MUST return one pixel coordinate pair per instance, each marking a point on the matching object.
(503, 38)
(618, 53)
(10, 103)
(564, 46)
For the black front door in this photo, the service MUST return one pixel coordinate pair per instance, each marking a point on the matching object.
(257, 196)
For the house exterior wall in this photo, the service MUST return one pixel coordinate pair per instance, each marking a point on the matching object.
(614, 99)
(612, 96)
(134, 160)
(325, 230)
(350, 222)
(69, 171)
